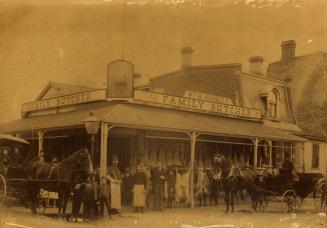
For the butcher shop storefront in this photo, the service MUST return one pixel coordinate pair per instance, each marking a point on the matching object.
(144, 126)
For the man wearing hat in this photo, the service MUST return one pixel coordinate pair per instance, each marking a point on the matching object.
(127, 187)
(114, 177)
(17, 156)
(158, 180)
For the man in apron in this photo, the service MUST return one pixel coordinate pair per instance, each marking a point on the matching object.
(113, 175)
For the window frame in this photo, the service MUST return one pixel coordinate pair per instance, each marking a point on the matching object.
(273, 113)
(315, 156)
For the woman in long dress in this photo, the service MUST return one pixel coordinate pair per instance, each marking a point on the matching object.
(140, 184)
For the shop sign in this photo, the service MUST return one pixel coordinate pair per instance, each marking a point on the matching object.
(208, 97)
(197, 105)
(120, 79)
(79, 98)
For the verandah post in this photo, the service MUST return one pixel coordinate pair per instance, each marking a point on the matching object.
(105, 128)
(40, 134)
(193, 137)
(255, 152)
(103, 150)
(270, 152)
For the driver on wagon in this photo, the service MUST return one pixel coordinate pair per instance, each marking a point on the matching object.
(17, 156)
(287, 168)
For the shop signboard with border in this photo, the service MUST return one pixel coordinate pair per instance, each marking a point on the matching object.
(192, 104)
(78, 98)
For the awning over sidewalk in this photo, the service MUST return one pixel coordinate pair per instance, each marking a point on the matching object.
(12, 138)
(149, 117)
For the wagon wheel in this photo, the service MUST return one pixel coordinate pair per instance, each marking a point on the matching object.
(264, 204)
(42, 201)
(289, 201)
(300, 202)
(3, 190)
(320, 198)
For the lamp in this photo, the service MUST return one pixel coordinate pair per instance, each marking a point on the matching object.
(92, 125)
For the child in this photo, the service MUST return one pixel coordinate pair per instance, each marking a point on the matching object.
(104, 196)
(140, 184)
(90, 197)
(78, 188)
(171, 182)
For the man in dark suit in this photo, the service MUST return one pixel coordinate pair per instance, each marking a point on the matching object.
(287, 169)
(158, 181)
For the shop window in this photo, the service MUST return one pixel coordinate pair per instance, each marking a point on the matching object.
(272, 105)
(315, 156)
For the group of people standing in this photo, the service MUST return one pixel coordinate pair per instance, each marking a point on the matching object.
(135, 187)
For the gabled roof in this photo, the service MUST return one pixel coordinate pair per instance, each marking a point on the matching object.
(282, 70)
(311, 121)
(303, 72)
(220, 80)
(61, 89)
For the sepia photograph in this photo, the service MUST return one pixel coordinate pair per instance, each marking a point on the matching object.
(163, 113)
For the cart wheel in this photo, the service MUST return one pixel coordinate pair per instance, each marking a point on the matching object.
(264, 204)
(299, 202)
(42, 201)
(3, 190)
(320, 199)
(289, 201)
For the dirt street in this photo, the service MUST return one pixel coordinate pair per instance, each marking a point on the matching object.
(206, 217)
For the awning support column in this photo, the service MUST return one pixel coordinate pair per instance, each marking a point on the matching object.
(270, 152)
(255, 152)
(301, 145)
(40, 134)
(193, 136)
(104, 148)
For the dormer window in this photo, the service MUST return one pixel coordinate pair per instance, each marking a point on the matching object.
(272, 104)
(270, 98)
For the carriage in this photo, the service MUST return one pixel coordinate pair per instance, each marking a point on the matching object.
(290, 192)
(13, 178)
(27, 180)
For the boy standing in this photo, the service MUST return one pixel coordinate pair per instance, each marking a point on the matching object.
(104, 196)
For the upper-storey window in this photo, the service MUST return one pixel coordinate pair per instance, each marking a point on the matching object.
(315, 156)
(273, 103)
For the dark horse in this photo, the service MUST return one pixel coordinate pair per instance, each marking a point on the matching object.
(57, 177)
(233, 179)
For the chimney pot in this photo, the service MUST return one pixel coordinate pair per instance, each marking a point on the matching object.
(288, 49)
(187, 57)
(256, 64)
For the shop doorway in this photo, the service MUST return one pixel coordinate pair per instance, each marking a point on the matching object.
(122, 148)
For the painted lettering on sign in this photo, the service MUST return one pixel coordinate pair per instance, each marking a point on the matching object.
(197, 105)
(78, 98)
(208, 97)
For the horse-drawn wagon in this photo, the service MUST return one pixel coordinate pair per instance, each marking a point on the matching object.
(289, 190)
(285, 185)
(26, 180)
(12, 177)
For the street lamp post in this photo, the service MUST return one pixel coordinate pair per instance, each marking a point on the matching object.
(92, 125)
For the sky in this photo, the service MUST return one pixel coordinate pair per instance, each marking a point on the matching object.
(72, 41)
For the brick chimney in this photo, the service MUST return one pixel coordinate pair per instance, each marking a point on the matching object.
(288, 50)
(256, 65)
(186, 57)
